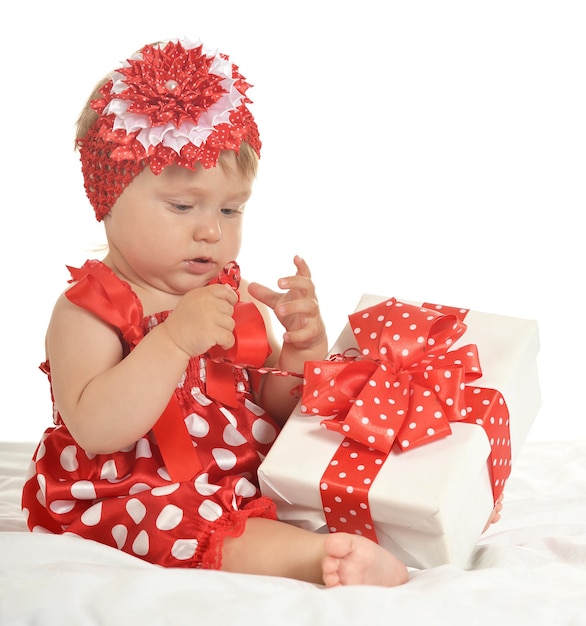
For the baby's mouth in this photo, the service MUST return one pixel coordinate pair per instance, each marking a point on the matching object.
(200, 265)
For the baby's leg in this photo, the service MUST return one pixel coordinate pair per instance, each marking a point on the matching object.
(355, 560)
(274, 548)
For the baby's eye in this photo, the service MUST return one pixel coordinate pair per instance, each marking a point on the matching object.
(232, 212)
(182, 207)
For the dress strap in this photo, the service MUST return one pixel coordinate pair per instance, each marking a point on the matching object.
(98, 290)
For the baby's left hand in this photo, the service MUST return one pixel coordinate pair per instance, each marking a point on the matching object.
(297, 309)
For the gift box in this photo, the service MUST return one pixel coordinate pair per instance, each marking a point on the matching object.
(446, 395)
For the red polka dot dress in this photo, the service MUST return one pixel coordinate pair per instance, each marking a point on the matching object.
(127, 500)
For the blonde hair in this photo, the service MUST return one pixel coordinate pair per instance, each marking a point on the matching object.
(246, 157)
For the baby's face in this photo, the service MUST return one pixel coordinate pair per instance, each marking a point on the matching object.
(177, 230)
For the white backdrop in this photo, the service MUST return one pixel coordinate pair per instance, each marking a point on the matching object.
(422, 149)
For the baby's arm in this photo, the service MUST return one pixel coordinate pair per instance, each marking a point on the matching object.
(305, 338)
(107, 401)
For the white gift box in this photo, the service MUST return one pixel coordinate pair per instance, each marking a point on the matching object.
(429, 504)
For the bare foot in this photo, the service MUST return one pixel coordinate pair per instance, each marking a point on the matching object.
(355, 560)
(496, 513)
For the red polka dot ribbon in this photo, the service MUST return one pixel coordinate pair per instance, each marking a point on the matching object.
(403, 389)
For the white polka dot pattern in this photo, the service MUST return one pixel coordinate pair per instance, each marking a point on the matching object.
(403, 389)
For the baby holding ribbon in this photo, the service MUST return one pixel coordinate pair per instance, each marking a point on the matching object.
(168, 384)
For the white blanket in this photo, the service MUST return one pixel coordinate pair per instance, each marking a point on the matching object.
(529, 568)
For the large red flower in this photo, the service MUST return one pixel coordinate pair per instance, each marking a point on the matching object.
(171, 84)
(174, 102)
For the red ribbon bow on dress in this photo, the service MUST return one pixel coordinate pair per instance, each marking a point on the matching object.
(405, 387)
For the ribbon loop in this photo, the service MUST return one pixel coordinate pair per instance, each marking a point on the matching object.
(403, 335)
(251, 346)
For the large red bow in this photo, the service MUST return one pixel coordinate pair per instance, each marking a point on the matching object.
(405, 386)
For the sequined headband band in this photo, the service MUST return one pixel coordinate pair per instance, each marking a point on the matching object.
(172, 103)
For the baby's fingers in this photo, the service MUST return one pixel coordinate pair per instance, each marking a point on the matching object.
(302, 307)
(302, 267)
(304, 337)
(301, 280)
(264, 294)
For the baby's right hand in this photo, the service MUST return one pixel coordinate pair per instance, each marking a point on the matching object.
(203, 319)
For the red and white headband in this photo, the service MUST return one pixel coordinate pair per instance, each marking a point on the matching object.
(172, 103)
